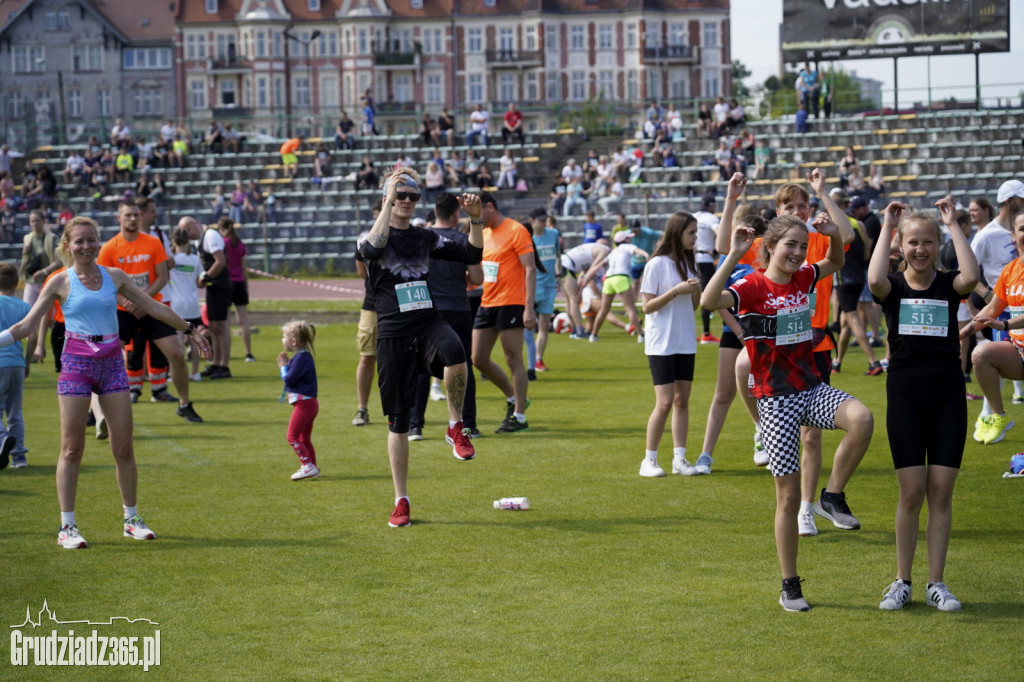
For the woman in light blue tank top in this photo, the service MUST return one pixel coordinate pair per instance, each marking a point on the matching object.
(92, 363)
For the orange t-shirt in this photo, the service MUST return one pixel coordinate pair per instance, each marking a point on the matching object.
(138, 259)
(504, 274)
(58, 314)
(290, 146)
(1010, 288)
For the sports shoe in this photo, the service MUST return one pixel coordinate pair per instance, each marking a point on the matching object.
(884, 362)
(163, 396)
(972, 396)
(649, 469)
(682, 466)
(837, 367)
(222, 373)
(939, 596)
(195, 377)
(1017, 399)
(876, 343)
(68, 537)
(306, 471)
(709, 338)
(575, 337)
(874, 369)
(474, 432)
(896, 596)
(18, 461)
(540, 366)
(212, 369)
(805, 521)
(832, 506)
(400, 517)
(979, 429)
(703, 465)
(594, 338)
(436, 393)
(249, 357)
(995, 428)
(135, 527)
(631, 329)
(640, 338)
(6, 445)
(362, 417)
(135, 395)
(102, 432)
(511, 425)
(531, 375)
(415, 433)
(510, 409)
(458, 437)
(792, 597)
(188, 413)
(760, 456)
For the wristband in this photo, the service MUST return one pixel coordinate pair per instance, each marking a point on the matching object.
(6, 338)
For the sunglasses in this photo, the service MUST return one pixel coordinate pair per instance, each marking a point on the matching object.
(411, 196)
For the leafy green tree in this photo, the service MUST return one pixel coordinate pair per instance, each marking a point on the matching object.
(740, 90)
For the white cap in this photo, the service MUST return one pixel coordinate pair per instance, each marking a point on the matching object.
(1010, 188)
(622, 235)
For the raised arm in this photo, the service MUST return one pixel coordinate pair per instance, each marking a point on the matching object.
(55, 289)
(836, 255)
(878, 268)
(715, 295)
(817, 181)
(970, 274)
(723, 235)
(378, 235)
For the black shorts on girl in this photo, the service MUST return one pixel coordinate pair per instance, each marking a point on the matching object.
(926, 416)
(240, 293)
(667, 369)
(730, 340)
(782, 416)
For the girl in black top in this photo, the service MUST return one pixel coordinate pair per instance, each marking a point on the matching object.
(927, 412)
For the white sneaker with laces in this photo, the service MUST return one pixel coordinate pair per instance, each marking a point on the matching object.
(896, 596)
(306, 471)
(68, 538)
(939, 596)
(649, 469)
(807, 526)
(760, 456)
(704, 463)
(135, 527)
(682, 466)
(436, 393)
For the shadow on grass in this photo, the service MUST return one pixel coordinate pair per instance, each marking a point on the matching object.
(987, 612)
(581, 525)
(17, 493)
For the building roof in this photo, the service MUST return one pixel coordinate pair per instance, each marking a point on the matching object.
(143, 21)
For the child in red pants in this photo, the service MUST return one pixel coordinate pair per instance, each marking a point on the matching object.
(299, 376)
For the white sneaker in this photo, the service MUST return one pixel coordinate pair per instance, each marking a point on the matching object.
(195, 377)
(704, 463)
(760, 456)
(306, 471)
(436, 393)
(135, 527)
(649, 469)
(682, 466)
(807, 526)
(938, 595)
(896, 596)
(594, 338)
(68, 538)
(640, 338)
(102, 432)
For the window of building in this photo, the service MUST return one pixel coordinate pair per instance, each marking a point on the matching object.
(17, 103)
(74, 103)
(507, 90)
(631, 36)
(476, 88)
(261, 44)
(314, 5)
(476, 40)
(654, 83)
(710, 34)
(302, 92)
(278, 92)
(507, 38)
(211, 6)
(435, 89)
(197, 94)
(605, 37)
(632, 92)
(677, 85)
(228, 92)
(530, 38)
(190, 47)
(19, 60)
(532, 91)
(403, 89)
(328, 96)
(554, 86)
(416, 4)
(551, 38)
(63, 22)
(711, 85)
(490, 3)
(364, 41)
(148, 58)
(262, 92)
(332, 43)
(50, 20)
(147, 102)
(576, 38)
(103, 102)
(606, 84)
(577, 86)
(201, 52)
(676, 34)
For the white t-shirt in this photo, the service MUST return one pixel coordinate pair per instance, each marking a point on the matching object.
(619, 259)
(575, 172)
(671, 330)
(581, 257)
(479, 119)
(213, 241)
(167, 132)
(993, 247)
(182, 285)
(707, 224)
(721, 112)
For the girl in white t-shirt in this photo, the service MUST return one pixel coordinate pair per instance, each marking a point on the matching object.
(183, 284)
(670, 291)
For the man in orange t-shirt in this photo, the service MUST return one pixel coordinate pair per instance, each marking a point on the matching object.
(143, 258)
(289, 155)
(510, 278)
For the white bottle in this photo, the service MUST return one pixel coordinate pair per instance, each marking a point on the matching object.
(513, 503)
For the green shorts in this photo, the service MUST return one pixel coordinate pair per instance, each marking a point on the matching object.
(616, 284)
(289, 159)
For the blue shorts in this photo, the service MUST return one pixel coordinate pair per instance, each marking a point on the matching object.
(544, 301)
(637, 271)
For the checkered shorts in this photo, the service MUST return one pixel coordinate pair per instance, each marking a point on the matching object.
(781, 419)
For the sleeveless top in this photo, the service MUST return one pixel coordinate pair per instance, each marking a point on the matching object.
(92, 313)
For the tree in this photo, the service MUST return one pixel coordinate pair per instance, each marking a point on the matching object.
(740, 72)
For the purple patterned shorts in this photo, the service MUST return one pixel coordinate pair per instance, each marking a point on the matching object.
(81, 375)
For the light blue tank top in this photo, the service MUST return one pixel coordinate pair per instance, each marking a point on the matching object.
(93, 313)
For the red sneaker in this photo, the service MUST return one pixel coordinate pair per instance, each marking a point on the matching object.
(631, 329)
(540, 366)
(400, 517)
(458, 437)
(874, 370)
(709, 338)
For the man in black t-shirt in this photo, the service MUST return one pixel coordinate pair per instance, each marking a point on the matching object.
(412, 338)
(850, 284)
(870, 312)
(344, 135)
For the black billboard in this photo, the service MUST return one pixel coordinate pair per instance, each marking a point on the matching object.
(825, 30)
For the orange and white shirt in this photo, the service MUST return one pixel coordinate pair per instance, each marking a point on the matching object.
(504, 273)
(138, 259)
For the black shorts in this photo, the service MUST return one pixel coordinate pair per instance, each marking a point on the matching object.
(667, 369)
(150, 327)
(730, 340)
(401, 359)
(501, 317)
(823, 362)
(849, 296)
(218, 300)
(928, 404)
(240, 292)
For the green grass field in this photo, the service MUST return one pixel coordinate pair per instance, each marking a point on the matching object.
(609, 576)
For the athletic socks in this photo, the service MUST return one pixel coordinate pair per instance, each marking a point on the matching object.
(67, 518)
(652, 456)
(806, 507)
(130, 511)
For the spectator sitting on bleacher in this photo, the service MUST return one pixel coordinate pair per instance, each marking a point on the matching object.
(446, 126)
(95, 146)
(611, 200)
(669, 159)
(322, 166)
(672, 115)
(801, 119)
(556, 197)
(572, 171)
(151, 186)
(43, 190)
(179, 150)
(574, 197)
(484, 179)
(236, 203)
(727, 163)
(705, 121)
(455, 169)
(478, 120)
(849, 170)
(427, 131)
(124, 164)
(512, 125)
(875, 187)
(8, 222)
(219, 203)
(762, 157)
(748, 142)
(255, 206)
(119, 133)
(473, 163)
(167, 131)
(232, 139)
(433, 181)
(366, 176)
(289, 155)
(344, 135)
(654, 112)
(737, 116)
(143, 153)
(438, 158)
(721, 112)
(73, 169)
(507, 170)
(621, 162)
(214, 138)
(270, 204)
(8, 197)
(405, 160)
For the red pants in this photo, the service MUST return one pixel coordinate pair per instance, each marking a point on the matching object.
(300, 426)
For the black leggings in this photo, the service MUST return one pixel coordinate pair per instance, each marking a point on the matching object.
(926, 415)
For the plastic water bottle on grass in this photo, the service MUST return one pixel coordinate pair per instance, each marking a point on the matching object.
(513, 503)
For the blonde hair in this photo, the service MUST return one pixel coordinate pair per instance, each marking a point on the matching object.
(400, 170)
(305, 333)
(788, 191)
(927, 218)
(63, 249)
(777, 229)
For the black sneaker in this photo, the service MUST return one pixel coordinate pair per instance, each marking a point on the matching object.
(511, 425)
(792, 597)
(209, 371)
(91, 419)
(221, 373)
(163, 396)
(832, 506)
(509, 410)
(135, 395)
(474, 432)
(415, 433)
(6, 445)
(531, 374)
(188, 413)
